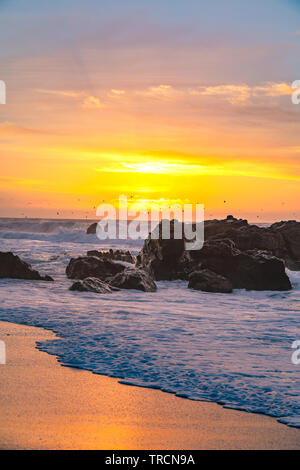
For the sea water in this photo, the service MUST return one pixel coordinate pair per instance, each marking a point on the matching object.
(234, 349)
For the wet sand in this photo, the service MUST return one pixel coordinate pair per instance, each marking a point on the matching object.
(46, 406)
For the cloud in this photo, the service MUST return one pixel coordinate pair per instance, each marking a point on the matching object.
(117, 92)
(241, 94)
(232, 168)
(87, 101)
(66, 93)
(274, 89)
(193, 165)
(91, 102)
(160, 93)
(235, 94)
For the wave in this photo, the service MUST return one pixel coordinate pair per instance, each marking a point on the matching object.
(62, 232)
(59, 231)
(55, 230)
(232, 349)
(42, 225)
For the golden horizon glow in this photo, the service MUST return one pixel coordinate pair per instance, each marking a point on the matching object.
(228, 144)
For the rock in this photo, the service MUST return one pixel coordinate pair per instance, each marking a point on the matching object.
(282, 239)
(247, 237)
(249, 269)
(11, 266)
(212, 228)
(92, 229)
(114, 255)
(260, 270)
(208, 281)
(159, 257)
(92, 266)
(92, 284)
(133, 278)
(216, 255)
(289, 232)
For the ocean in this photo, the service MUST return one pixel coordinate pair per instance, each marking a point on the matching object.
(233, 349)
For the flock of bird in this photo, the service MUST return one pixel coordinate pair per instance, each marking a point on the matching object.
(90, 213)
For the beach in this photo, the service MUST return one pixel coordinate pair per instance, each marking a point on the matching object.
(47, 406)
(149, 225)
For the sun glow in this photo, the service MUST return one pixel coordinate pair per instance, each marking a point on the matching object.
(160, 168)
(155, 167)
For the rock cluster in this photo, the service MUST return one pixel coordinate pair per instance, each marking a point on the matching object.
(232, 250)
(281, 239)
(110, 273)
(235, 255)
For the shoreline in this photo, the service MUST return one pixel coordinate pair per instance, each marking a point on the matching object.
(46, 406)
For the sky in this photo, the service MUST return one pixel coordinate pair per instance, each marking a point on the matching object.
(162, 101)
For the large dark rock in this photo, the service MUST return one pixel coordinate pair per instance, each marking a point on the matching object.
(213, 228)
(92, 284)
(249, 269)
(91, 230)
(282, 239)
(252, 270)
(208, 281)
(289, 233)
(246, 237)
(160, 257)
(11, 266)
(113, 255)
(133, 278)
(92, 266)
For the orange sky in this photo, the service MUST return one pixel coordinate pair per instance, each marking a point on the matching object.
(142, 120)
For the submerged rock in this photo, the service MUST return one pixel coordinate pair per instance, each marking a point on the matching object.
(133, 278)
(92, 266)
(11, 266)
(92, 284)
(208, 281)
